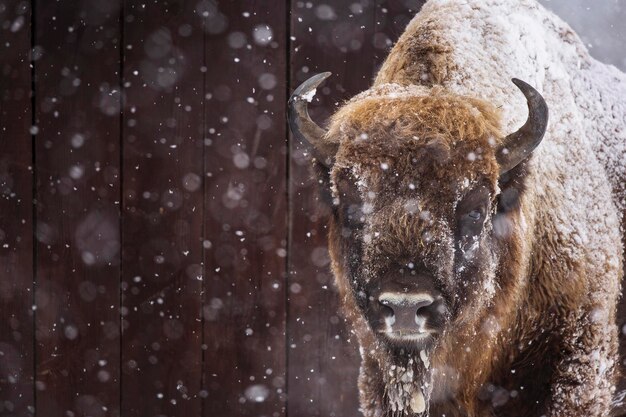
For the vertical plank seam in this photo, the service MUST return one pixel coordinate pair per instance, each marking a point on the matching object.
(204, 225)
(33, 120)
(377, 9)
(121, 196)
(288, 5)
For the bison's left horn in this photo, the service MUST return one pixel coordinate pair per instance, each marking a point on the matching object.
(301, 124)
(518, 146)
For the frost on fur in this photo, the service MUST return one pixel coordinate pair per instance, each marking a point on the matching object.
(476, 290)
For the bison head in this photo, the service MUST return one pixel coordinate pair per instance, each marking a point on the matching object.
(423, 187)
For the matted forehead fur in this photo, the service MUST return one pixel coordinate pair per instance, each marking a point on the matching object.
(417, 129)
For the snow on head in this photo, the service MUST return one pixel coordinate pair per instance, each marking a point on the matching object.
(309, 96)
(551, 259)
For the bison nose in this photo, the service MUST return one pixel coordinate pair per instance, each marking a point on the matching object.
(404, 310)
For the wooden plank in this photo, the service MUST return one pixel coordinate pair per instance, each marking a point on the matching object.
(323, 358)
(16, 237)
(246, 210)
(162, 245)
(351, 40)
(77, 212)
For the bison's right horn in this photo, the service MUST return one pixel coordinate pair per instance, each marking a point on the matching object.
(518, 146)
(301, 124)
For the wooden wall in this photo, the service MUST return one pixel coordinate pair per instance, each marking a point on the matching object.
(161, 249)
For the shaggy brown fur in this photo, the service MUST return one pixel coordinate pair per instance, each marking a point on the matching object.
(426, 140)
(532, 330)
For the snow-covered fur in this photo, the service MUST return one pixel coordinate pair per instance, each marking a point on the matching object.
(533, 330)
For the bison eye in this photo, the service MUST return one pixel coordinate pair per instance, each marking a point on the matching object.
(471, 223)
(475, 214)
(471, 213)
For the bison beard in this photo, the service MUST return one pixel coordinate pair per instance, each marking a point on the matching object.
(478, 270)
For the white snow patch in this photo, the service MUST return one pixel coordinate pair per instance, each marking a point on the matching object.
(309, 96)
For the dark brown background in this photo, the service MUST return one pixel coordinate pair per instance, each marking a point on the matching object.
(161, 250)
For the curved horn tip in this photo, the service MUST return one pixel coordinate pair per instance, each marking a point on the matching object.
(519, 82)
(305, 129)
(309, 85)
(519, 145)
(536, 102)
(527, 89)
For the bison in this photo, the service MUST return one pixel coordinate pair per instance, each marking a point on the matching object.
(479, 269)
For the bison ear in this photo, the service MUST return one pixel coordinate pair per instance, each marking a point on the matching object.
(517, 146)
(322, 176)
(305, 129)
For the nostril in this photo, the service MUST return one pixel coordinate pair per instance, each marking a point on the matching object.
(386, 307)
(423, 305)
(388, 316)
